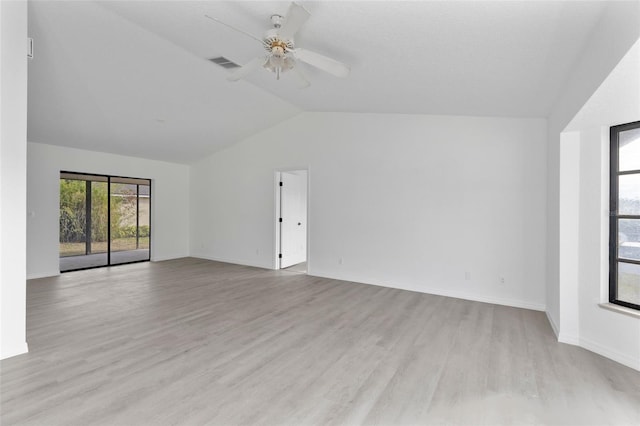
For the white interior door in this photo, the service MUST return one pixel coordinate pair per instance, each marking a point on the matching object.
(293, 211)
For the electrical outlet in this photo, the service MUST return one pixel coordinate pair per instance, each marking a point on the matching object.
(502, 280)
(467, 276)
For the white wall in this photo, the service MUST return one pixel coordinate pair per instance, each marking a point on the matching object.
(616, 101)
(169, 201)
(616, 32)
(611, 334)
(569, 234)
(13, 146)
(407, 201)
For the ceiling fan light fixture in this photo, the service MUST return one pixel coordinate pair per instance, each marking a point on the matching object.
(282, 55)
(279, 64)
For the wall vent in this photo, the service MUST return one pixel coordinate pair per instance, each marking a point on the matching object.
(224, 62)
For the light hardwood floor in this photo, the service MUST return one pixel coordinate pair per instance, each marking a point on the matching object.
(194, 342)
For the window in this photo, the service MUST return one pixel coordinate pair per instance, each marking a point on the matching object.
(624, 224)
(104, 220)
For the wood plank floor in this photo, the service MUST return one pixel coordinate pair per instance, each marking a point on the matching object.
(193, 342)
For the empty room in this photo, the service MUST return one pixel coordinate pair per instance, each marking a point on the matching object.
(319, 212)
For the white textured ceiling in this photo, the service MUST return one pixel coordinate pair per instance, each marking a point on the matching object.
(100, 82)
(132, 77)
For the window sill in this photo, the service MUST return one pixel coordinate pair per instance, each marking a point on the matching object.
(620, 309)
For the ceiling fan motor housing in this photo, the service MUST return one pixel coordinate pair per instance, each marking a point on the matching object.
(273, 40)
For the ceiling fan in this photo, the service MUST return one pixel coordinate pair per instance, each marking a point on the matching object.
(282, 55)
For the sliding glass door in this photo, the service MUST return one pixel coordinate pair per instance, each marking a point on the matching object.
(83, 221)
(104, 220)
(129, 220)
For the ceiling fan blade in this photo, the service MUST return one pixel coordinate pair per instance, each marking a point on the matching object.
(303, 80)
(296, 17)
(247, 69)
(236, 29)
(322, 62)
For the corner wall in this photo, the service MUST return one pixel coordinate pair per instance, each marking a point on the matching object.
(611, 334)
(169, 201)
(617, 101)
(603, 91)
(13, 147)
(614, 35)
(407, 201)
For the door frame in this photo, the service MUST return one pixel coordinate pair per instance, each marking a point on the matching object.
(276, 213)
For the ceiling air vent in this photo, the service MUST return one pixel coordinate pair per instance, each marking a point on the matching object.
(224, 62)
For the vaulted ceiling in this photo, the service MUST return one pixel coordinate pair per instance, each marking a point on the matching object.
(133, 77)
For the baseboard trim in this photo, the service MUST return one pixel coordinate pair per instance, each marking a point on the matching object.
(42, 275)
(439, 292)
(616, 356)
(14, 350)
(569, 339)
(554, 327)
(168, 257)
(233, 261)
(592, 346)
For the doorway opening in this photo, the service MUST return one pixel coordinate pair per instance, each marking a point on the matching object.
(291, 220)
(104, 220)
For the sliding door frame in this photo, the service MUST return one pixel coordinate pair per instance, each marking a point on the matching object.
(88, 207)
